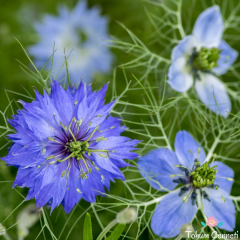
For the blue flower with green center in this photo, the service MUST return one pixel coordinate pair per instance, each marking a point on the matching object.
(67, 147)
(81, 34)
(202, 56)
(202, 185)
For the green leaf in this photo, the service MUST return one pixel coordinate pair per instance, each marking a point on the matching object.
(116, 232)
(87, 228)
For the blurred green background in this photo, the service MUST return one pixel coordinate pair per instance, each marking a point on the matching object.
(16, 18)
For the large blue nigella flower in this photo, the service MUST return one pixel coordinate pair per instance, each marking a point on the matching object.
(80, 33)
(202, 56)
(202, 186)
(67, 147)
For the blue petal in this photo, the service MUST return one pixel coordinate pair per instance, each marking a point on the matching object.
(93, 186)
(107, 164)
(63, 12)
(53, 186)
(222, 211)
(20, 156)
(62, 102)
(184, 143)
(26, 178)
(213, 94)
(224, 171)
(119, 147)
(171, 214)
(184, 48)
(208, 28)
(227, 57)
(80, 8)
(180, 78)
(157, 166)
(72, 197)
(88, 110)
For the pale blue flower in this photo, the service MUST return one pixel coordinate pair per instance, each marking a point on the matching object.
(201, 186)
(82, 33)
(202, 56)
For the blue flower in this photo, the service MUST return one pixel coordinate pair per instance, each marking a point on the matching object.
(67, 147)
(201, 186)
(202, 56)
(81, 33)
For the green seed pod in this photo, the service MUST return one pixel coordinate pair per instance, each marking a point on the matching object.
(195, 183)
(195, 175)
(192, 173)
(204, 181)
(127, 215)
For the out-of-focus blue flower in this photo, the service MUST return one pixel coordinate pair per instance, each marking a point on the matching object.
(201, 185)
(67, 147)
(201, 56)
(81, 32)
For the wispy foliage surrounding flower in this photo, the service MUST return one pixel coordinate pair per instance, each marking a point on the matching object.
(203, 185)
(81, 34)
(202, 56)
(67, 147)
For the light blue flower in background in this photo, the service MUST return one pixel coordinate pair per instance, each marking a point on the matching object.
(201, 186)
(81, 32)
(202, 56)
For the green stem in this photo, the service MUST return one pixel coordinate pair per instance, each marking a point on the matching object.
(179, 237)
(232, 93)
(156, 200)
(6, 236)
(182, 33)
(210, 152)
(106, 229)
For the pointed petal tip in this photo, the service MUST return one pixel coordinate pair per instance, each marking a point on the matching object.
(216, 7)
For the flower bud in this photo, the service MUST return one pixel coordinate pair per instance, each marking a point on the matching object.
(26, 219)
(185, 229)
(127, 215)
(2, 229)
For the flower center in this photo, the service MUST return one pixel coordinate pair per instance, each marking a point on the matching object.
(206, 59)
(196, 179)
(77, 148)
(83, 36)
(203, 176)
